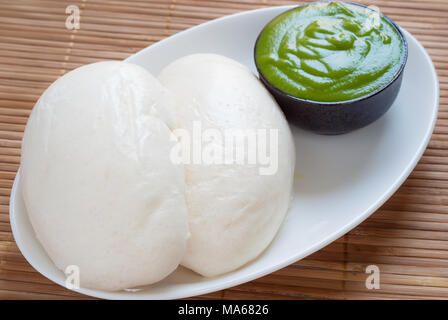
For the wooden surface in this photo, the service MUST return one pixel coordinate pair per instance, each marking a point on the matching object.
(407, 238)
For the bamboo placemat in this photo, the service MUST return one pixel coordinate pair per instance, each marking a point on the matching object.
(407, 238)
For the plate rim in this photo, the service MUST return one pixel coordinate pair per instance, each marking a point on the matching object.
(279, 265)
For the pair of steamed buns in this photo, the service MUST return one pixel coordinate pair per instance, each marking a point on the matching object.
(103, 193)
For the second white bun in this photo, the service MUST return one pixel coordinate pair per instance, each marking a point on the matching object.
(234, 211)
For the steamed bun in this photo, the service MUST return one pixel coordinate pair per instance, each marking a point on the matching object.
(98, 184)
(234, 211)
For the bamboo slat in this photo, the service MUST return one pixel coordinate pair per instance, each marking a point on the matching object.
(407, 238)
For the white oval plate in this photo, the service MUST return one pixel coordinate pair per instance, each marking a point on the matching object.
(340, 180)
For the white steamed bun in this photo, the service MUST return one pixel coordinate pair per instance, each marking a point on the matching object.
(98, 185)
(234, 212)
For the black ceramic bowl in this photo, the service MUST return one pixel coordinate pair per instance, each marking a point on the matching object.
(342, 116)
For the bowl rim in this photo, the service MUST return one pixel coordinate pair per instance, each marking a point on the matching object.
(342, 102)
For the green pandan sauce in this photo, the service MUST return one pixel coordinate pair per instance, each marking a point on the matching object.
(329, 52)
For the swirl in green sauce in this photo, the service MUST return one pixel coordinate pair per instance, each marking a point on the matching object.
(329, 52)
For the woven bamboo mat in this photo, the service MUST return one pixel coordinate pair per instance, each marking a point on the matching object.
(407, 238)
